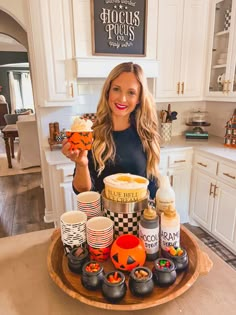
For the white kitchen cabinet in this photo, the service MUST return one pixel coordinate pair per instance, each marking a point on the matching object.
(51, 46)
(213, 198)
(94, 66)
(224, 215)
(177, 165)
(182, 30)
(62, 196)
(221, 71)
(202, 200)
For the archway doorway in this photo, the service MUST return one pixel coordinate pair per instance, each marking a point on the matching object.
(15, 78)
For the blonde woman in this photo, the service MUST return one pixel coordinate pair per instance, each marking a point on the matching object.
(126, 138)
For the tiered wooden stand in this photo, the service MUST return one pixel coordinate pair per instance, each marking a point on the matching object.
(199, 264)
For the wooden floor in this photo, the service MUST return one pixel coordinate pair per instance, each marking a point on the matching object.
(22, 204)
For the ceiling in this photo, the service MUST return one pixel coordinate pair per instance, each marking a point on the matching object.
(8, 43)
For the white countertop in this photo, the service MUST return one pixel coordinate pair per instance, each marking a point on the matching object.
(214, 145)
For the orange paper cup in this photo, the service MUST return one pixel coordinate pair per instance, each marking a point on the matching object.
(80, 140)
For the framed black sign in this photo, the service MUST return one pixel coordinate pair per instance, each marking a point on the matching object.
(119, 27)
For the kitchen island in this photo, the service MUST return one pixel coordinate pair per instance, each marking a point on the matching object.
(26, 287)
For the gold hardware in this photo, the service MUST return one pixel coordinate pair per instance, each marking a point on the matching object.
(180, 161)
(215, 195)
(200, 163)
(228, 175)
(178, 87)
(211, 192)
(228, 83)
(225, 87)
(182, 90)
(72, 90)
(171, 180)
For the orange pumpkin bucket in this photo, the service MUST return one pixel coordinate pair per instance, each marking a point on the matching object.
(127, 252)
(80, 140)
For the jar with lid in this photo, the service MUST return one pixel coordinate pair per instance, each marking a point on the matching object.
(149, 232)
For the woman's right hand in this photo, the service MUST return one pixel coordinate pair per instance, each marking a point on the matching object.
(77, 156)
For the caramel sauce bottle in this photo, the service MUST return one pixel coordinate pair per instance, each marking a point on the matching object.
(170, 228)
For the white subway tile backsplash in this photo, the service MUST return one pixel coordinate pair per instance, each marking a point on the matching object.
(219, 113)
(184, 111)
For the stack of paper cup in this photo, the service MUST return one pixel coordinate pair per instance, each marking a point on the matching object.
(73, 229)
(99, 233)
(89, 202)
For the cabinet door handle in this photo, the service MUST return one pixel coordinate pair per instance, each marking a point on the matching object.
(228, 83)
(72, 90)
(228, 175)
(215, 191)
(200, 163)
(182, 89)
(225, 87)
(211, 191)
(171, 180)
(179, 161)
(178, 87)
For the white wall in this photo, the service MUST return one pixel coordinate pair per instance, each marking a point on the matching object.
(219, 113)
(16, 9)
(184, 110)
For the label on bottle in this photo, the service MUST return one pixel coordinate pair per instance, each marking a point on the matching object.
(162, 204)
(150, 238)
(170, 236)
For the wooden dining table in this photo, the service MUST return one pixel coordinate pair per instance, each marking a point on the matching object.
(10, 132)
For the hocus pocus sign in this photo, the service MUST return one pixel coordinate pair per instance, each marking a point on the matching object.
(119, 27)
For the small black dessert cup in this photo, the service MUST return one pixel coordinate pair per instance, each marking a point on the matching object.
(141, 281)
(181, 262)
(164, 273)
(114, 286)
(75, 263)
(92, 275)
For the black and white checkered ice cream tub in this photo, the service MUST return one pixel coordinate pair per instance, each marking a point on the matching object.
(125, 215)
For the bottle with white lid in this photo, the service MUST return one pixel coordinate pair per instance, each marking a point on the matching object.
(170, 228)
(165, 195)
(149, 232)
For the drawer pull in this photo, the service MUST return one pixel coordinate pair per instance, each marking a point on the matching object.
(200, 163)
(228, 175)
(178, 87)
(211, 191)
(215, 191)
(180, 161)
(71, 90)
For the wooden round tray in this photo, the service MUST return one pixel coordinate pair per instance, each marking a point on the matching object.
(70, 283)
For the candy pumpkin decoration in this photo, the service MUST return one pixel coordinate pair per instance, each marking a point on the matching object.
(127, 252)
(80, 140)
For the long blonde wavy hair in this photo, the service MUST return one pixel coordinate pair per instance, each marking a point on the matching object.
(144, 118)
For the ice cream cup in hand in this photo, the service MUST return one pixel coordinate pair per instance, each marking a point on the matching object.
(81, 135)
(80, 140)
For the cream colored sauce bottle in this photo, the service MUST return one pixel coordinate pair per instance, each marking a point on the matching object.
(165, 195)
